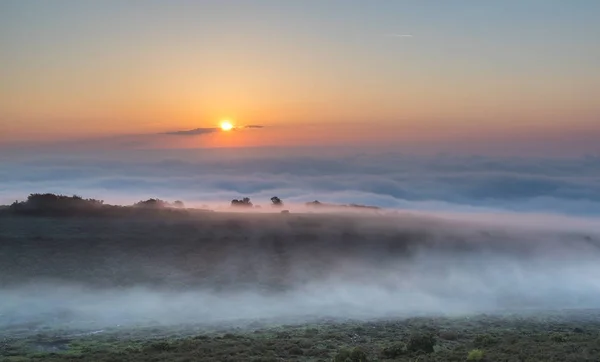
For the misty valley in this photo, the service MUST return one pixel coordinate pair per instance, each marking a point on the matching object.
(305, 285)
(299, 181)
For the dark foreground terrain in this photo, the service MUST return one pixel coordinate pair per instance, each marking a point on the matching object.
(564, 336)
(209, 286)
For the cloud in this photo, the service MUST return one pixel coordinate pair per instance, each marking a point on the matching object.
(400, 35)
(208, 130)
(194, 132)
(391, 180)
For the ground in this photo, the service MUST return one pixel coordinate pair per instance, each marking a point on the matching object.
(543, 336)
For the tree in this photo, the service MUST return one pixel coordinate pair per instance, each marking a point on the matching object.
(152, 204)
(178, 204)
(245, 202)
(315, 203)
(276, 201)
(59, 202)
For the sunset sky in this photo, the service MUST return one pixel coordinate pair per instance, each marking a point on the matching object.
(308, 72)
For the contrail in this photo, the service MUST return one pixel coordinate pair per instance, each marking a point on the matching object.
(401, 35)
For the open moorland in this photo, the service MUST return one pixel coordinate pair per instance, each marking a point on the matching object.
(192, 285)
(545, 336)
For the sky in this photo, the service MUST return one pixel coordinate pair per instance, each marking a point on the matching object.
(470, 106)
(517, 75)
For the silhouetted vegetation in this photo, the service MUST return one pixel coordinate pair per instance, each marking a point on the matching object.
(159, 204)
(245, 202)
(59, 204)
(152, 204)
(276, 201)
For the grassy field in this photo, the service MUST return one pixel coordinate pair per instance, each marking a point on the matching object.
(198, 286)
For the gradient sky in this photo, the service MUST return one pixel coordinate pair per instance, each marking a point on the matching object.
(310, 72)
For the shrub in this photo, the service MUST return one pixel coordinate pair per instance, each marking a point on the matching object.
(296, 351)
(152, 204)
(475, 355)
(351, 355)
(448, 335)
(162, 346)
(311, 332)
(52, 202)
(421, 343)
(394, 351)
(159, 204)
(484, 340)
(265, 359)
(245, 202)
(558, 338)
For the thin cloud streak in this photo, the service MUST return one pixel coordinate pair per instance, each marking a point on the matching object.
(208, 130)
(193, 132)
(400, 35)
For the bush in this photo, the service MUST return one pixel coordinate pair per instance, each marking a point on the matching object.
(475, 355)
(484, 340)
(448, 335)
(351, 355)
(394, 351)
(558, 338)
(152, 204)
(159, 204)
(162, 346)
(421, 343)
(245, 202)
(296, 351)
(53, 202)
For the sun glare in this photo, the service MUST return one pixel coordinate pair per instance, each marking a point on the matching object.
(226, 126)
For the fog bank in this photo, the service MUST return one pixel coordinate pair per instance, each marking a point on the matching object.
(230, 267)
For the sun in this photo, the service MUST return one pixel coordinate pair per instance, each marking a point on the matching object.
(226, 126)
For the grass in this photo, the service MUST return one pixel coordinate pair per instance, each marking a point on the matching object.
(516, 338)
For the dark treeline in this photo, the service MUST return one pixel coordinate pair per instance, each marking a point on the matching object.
(48, 204)
(60, 205)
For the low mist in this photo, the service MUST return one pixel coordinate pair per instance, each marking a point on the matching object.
(228, 267)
